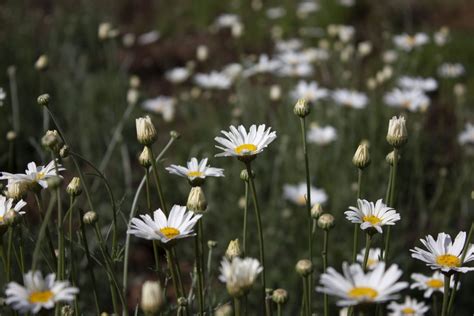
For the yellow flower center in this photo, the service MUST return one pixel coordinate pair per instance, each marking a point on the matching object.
(41, 297)
(408, 311)
(363, 292)
(169, 232)
(301, 200)
(372, 219)
(411, 40)
(448, 261)
(1, 219)
(195, 174)
(245, 148)
(435, 283)
(39, 176)
(371, 262)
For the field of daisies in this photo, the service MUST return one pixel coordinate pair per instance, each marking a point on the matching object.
(304, 157)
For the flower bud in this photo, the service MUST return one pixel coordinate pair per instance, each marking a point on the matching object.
(146, 132)
(182, 301)
(326, 221)
(64, 151)
(275, 92)
(280, 296)
(202, 53)
(152, 298)
(54, 182)
(211, 244)
(67, 310)
(52, 140)
(90, 218)
(132, 96)
(361, 157)
(43, 99)
(233, 250)
(397, 132)
(11, 136)
(175, 135)
(244, 175)
(134, 81)
(145, 158)
(316, 211)
(390, 158)
(301, 108)
(74, 187)
(17, 190)
(42, 63)
(304, 267)
(11, 217)
(196, 200)
(224, 310)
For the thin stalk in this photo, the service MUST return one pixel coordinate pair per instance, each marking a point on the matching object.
(198, 245)
(148, 205)
(41, 234)
(208, 276)
(259, 228)
(435, 304)
(368, 241)
(9, 252)
(324, 254)
(279, 310)
(237, 306)
(157, 182)
(394, 178)
(43, 218)
(355, 245)
(61, 248)
(21, 246)
(444, 310)
(169, 257)
(14, 98)
(244, 232)
(306, 309)
(72, 262)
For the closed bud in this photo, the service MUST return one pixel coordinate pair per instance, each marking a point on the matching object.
(67, 310)
(244, 175)
(304, 267)
(301, 108)
(146, 132)
(11, 136)
(145, 158)
(132, 96)
(280, 296)
(152, 297)
(361, 157)
(390, 158)
(397, 132)
(52, 140)
(316, 211)
(233, 250)
(182, 301)
(224, 310)
(90, 218)
(42, 63)
(175, 135)
(211, 244)
(17, 190)
(196, 200)
(326, 221)
(43, 99)
(64, 151)
(74, 187)
(54, 182)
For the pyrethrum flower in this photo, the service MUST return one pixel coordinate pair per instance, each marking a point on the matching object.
(239, 274)
(38, 292)
(34, 174)
(355, 287)
(350, 98)
(397, 134)
(408, 42)
(410, 99)
(245, 145)
(409, 307)
(310, 91)
(146, 132)
(297, 194)
(418, 83)
(467, 135)
(161, 105)
(321, 135)
(444, 254)
(6, 205)
(196, 169)
(430, 284)
(375, 256)
(372, 216)
(179, 224)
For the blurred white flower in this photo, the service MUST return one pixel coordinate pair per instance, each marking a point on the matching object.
(408, 42)
(310, 91)
(350, 98)
(264, 65)
(178, 74)
(275, 13)
(430, 284)
(412, 100)
(275, 92)
(389, 56)
(418, 83)
(355, 286)
(3, 96)
(315, 54)
(232, 70)
(226, 20)
(347, 3)
(321, 135)
(195, 169)
(239, 274)
(306, 7)
(148, 38)
(202, 52)
(297, 194)
(346, 33)
(163, 105)
(466, 137)
(6, 204)
(375, 256)
(372, 216)
(409, 307)
(441, 37)
(213, 80)
(291, 44)
(364, 48)
(451, 70)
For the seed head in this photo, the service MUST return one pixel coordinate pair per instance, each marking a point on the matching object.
(280, 296)
(44, 99)
(74, 187)
(145, 158)
(316, 211)
(42, 63)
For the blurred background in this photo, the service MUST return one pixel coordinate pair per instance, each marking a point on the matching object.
(90, 65)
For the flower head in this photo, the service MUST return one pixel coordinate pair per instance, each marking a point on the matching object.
(146, 132)
(418, 83)
(372, 216)
(350, 98)
(430, 284)
(355, 286)
(409, 307)
(161, 105)
(297, 194)
(239, 274)
(444, 254)
(179, 224)
(375, 256)
(309, 91)
(408, 42)
(34, 174)
(411, 99)
(196, 170)
(321, 135)
(467, 135)
(397, 132)
(6, 205)
(38, 292)
(245, 145)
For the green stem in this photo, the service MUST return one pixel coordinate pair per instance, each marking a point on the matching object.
(72, 263)
(308, 189)
(42, 233)
(307, 310)
(435, 304)
(324, 254)
(9, 253)
(259, 228)
(368, 241)
(355, 245)
(244, 232)
(444, 310)
(61, 249)
(198, 245)
(236, 306)
(169, 257)
(157, 182)
(279, 310)
(43, 219)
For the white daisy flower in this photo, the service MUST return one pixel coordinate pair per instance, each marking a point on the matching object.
(372, 216)
(148, 38)
(310, 91)
(347, 3)
(226, 20)
(345, 33)
(410, 99)
(375, 256)
(239, 143)
(264, 65)
(430, 284)
(196, 169)
(179, 224)
(350, 98)
(321, 135)
(467, 135)
(291, 44)
(38, 292)
(297, 194)
(34, 174)
(305, 7)
(408, 42)
(178, 75)
(239, 274)
(275, 13)
(450, 70)
(161, 105)
(444, 254)
(6, 204)
(315, 54)
(355, 287)
(3, 96)
(301, 69)
(232, 70)
(213, 80)
(409, 307)
(418, 83)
